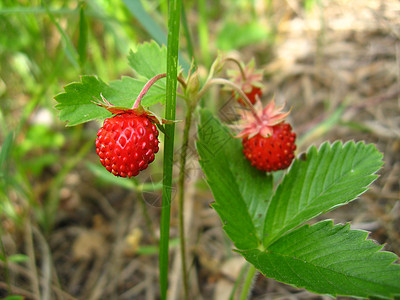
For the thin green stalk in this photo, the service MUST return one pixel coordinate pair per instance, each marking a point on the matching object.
(170, 107)
(243, 271)
(185, 143)
(248, 283)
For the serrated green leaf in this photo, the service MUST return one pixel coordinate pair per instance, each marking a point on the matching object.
(329, 259)
(149, 60)
(76, 103)
(241, 192)
(328, 178)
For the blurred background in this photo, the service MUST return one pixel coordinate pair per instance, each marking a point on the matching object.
(70, 230)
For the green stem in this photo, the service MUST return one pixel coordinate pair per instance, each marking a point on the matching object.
(248, 283)
(170, 107)
(185, 143)
(238, 280)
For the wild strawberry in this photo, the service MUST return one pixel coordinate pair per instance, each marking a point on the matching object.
(272, 153)
(127, 143)
(254, 92)
(268, 141)
(249, 81)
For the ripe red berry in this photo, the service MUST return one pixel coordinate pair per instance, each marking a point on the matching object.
(255, 91)
(249, 79)
(127, 143)
(272, 153)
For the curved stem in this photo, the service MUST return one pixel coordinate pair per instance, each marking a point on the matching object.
(146, 88)
(242, 94)
(185, 143)
(182, 81)
(248, 283)
(238, 64)
(149, 84)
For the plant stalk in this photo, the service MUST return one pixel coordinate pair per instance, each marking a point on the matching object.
(170, 108)
(185, 143)
(248, 283)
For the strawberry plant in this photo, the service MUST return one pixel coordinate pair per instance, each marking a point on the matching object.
(266, 216)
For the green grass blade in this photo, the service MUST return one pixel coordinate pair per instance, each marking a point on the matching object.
(155, 30)
(83, 37)
(70, 50)
(186, 31)
(203, 32)
(170, 107)
(5, 151)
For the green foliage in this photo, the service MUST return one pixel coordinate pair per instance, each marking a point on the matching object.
(13, 297)
(234, 35)
(76, 103)
(4, 154)
(329, 177)
(39, 148)
(149, 60)
(241, 192)
(264, 224)
(328, 259)
(83, 37)
(16, 258)
(150, 25)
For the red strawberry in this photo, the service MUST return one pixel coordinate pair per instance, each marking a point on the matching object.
(249, 80)
(268, 142)
(255, 91)
(127, 143)
(272, 153)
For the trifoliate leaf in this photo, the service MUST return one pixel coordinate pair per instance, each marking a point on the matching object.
(241, 192)
(332, 260)
(329, 177)
(149, 60)
(76, 103)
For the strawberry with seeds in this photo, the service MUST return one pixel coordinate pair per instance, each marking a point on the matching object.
(128, 141)
(268, 141)
(248, 79)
